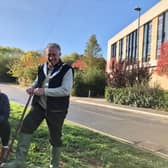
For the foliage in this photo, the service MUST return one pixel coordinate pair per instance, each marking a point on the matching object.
(90, 69)
(138, 74)
(95, 80)
(162, 63)
(79, 64)
(69, 59)
(116, 77)
(92, 47)
(165, 103)
(140, 95)
(25, 67)
(7, 55)
(10, 52)
(122, 74)
(98, 62)
(4, 76)
(92, 54)
(83, 148)
(89, 82)
(79, 86)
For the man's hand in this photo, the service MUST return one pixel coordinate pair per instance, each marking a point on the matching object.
(39, 91)
(30, 91)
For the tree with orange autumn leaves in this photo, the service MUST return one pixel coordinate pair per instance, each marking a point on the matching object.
(24, 68)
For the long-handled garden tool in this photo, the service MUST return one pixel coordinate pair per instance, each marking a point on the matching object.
(18, 128)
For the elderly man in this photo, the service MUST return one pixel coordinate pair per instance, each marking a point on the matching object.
(4, 125)
(51, 91)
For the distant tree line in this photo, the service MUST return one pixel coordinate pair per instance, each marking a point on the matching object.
(89, 77)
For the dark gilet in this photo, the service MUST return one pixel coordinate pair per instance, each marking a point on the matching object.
(53, 103)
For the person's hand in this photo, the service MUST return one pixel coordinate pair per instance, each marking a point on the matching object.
(30, 91)
(39, 91)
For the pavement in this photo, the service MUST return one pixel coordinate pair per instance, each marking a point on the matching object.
(102, 102)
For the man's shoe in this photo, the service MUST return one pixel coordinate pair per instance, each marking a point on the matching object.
(56, 152)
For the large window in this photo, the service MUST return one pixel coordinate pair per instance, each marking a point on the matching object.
(121, 48)
(113, 50)
(131, 47)
(162, 35)
(147, 42)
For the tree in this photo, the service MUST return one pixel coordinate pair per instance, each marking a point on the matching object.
(10, 52)
(7, 55)
(69, 59)
(79, 64)
(95, 81)
(90, 73)
(92, 47)
(24, 68)
(92, 56)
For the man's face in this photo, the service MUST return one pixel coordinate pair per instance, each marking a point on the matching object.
(53, 55)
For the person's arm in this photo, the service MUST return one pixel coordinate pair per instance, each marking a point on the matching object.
(64, 89)
(34, 84)
(5, 108)
(30, 90)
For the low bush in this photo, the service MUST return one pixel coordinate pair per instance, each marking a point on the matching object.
(79, 87)
(140, 95)
(89, 82)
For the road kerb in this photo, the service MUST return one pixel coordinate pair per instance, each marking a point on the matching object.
(121, 108)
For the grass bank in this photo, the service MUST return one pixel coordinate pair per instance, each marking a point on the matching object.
(84, 149)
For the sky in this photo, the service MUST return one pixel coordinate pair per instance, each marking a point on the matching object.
(31, 24)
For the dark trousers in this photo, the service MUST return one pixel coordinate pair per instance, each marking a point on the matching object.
(5, 132)
(54, 121)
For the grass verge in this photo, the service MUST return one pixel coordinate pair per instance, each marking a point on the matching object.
(83, 148)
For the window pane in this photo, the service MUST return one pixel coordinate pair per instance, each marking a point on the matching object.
(166, 26)
(160, 32)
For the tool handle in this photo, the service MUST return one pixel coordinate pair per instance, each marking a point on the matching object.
(19, 126)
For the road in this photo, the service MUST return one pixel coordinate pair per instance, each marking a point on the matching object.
(145, 131)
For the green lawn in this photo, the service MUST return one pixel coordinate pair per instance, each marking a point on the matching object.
(85, 149)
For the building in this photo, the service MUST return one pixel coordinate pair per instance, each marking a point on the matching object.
(141, 40)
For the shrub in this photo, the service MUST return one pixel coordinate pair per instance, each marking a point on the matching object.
(140, 95)
(116, 77)
(4, 76)
(94, 78)
(79, 87)
(123, 74)
(165, 104)
(90, 82)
